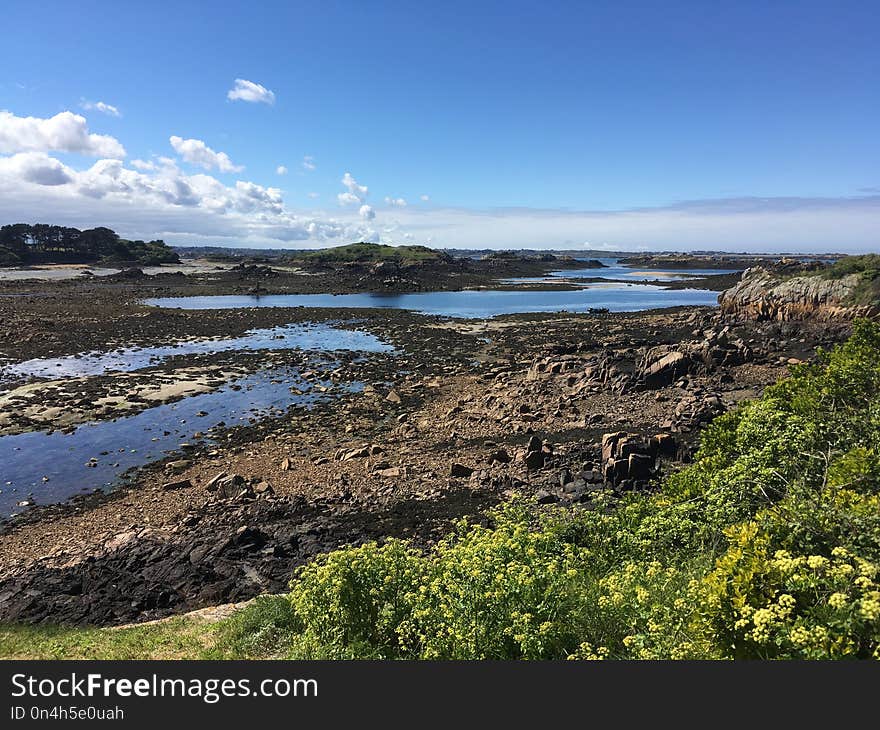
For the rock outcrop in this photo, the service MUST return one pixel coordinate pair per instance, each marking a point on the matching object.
(762, 296)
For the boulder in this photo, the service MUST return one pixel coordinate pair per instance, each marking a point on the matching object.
(761, 295)
(460, 471)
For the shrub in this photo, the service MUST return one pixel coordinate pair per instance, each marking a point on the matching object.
(508, 592)
(358, 597)
(769, 604)
(768, 546)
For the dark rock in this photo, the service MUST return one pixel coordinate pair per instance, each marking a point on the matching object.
(460, 471)
(182, 484)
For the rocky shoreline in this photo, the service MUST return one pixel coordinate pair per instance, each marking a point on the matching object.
(550, 408)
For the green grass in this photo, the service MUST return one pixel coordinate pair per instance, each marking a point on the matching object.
(868, 264)
(262, 629)
(177, 638)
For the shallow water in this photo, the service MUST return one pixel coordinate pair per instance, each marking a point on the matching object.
(615, 270)
(136, 440)
(288, 337)
(468, 304)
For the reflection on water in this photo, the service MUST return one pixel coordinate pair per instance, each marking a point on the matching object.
(469, 304)
(119, 445)
(288, 337)
(615, 270)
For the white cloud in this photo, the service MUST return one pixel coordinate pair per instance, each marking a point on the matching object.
(143, 164)
(245, 90)
(162, 201)
(395, 202)
(198, 153)
(107, 109)
(156, 198)
(35, 167)
(308, 163)
(357, 193)
(313, 196)
(424, 198)
(281, 170)
(348, 199)
(65, 132)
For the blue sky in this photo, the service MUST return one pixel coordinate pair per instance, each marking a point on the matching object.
(533, 124)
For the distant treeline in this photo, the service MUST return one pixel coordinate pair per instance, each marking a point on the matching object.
(40, 243)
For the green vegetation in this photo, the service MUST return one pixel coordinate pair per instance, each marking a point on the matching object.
(767, 546)
(868, 264)
(177, 638)
(868, 269)
(374, 252)
(22, 243)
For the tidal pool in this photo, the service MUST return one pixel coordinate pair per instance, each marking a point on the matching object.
(288, 337)
(63, 459)
(46, 468)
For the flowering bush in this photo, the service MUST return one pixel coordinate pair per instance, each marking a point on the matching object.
(768, 546)
(352, 601)
(509, 592)
(779, 605)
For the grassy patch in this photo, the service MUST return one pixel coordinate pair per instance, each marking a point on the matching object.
(177, 638)
(374, 252)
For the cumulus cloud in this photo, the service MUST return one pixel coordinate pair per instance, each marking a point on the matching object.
(281, 170)
(313, 196)
(348, 199)
(159, 199)
(395, 202)
(424, 198)
(244, 90)
(143, 164)
(65, 132)
(35, 167)
(356, 193)
(198, 153)
(154, 197)
(100, 106)
(308, 163)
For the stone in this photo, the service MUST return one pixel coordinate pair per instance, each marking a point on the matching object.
(760, 295)
(391, 473)
(640, 466)
(182, 484)
(460, 471)
(534, 459)
(609, 444)
(499, 456)
(212, 483)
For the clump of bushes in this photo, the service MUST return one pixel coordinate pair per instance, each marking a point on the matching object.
(767, 546)
(867, 267)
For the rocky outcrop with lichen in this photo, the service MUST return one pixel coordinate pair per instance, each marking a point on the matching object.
(762, 295)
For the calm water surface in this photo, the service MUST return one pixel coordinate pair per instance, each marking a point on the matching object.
(468, 304)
